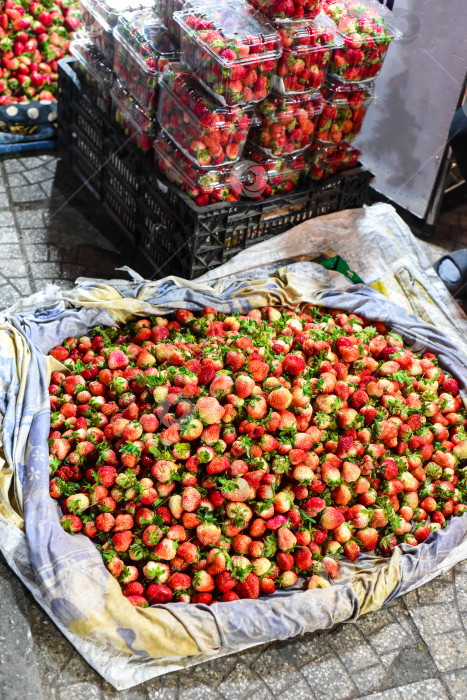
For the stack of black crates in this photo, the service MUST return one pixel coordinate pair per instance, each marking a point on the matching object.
(174, 234)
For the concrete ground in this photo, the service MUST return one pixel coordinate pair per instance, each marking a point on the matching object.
(415, 647)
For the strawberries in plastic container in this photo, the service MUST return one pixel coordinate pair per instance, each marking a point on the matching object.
(230, 48)
(287, 123)
(307, 50)
(204, 185)
(326, 161)
(367, 31)
(346, 107)
(143, 46)
(206, 132)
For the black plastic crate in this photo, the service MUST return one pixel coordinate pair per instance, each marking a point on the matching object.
(206, 237)
(87, 161)
(126, 195)
(128, 219)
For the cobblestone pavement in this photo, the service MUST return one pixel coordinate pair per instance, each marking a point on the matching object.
(415, 647)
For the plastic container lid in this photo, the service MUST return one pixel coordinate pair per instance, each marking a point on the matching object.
(92, 60)
(284, 108)
(284, 165)
(195, 101)
(367, 19)
(145, 38)
(188, 174)
(107, 12)
(343, 94)
(308, 34)
(132, 111)
(244, 35)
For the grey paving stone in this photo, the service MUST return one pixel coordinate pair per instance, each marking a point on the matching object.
(371, 678)
(243, 682)
(41, 270)
(71, 272)
(32, 236)
(8, 296)
(309, 649)
(37, 175)
(411, 665)
(4, 201)
(299, 691)
(23, 286)
(433, 620)
(439, 590)
(392, 694)
(8, 235)
(10, 250)
(353, 650)
(449, 651)
(13, 268)
(28, 193)
(461, 586)
(31, 218)
(38, 252)
(432, 688)
(17, 180)
(277, 672)
(14, 165)
(16, 643)
(329, 680)
(214, 672)
(390, 637)
(163, 687)
(456, 682)
(31, 162)
(80, 691)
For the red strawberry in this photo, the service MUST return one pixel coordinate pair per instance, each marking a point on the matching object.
(368, 536)
(249, 588)
(158, 593)
(331, 518)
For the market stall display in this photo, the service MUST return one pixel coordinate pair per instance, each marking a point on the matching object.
(290, 9)
(92, 70)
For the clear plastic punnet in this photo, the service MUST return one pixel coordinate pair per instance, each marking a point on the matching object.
(207, 133)
(232, 50)
(346, 106)
(143, 46)
(91, 67)
(287, 123)
(135, 122)
(204, 185)
(267, 176)
(166, 9)
(325, 161)
(99, 17)
(307, 50)
(367, 29)
(289, 9)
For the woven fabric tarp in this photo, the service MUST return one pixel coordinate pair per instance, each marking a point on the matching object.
(65, 573)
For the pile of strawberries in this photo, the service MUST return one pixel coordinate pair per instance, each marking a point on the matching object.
(218, 457)
(33, 37)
